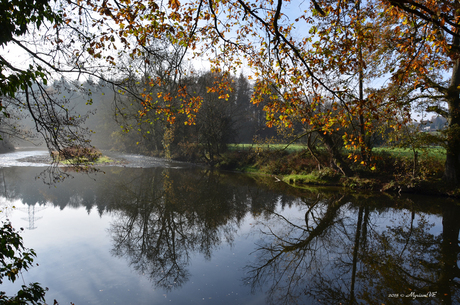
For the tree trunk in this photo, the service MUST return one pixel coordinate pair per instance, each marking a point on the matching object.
(336, 155)
(452, 166)
(362, 127)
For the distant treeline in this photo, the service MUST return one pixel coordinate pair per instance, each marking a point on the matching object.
(122, 120)
(225, 116)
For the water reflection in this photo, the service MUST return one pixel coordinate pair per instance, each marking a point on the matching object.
(347, 252)
(165, 216)
(305, 247)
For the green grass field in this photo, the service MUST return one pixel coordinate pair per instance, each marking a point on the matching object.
(290, 148)
(437, 153)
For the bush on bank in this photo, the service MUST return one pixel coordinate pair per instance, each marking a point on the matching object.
(81, 154)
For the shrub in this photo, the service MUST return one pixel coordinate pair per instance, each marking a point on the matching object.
(284, 163)
(86, 154)
(326, 173)
(237, 160)
(14, 259)
(187, 151)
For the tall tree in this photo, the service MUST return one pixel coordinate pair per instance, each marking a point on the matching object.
(426, 42)
(346, 52)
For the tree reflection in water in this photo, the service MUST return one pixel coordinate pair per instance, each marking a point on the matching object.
(163, 218)
(345, 251)
(341, 249)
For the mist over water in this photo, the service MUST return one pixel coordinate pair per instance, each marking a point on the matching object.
(16, 158)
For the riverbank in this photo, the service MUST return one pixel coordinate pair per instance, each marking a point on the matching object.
(386, 172)
(389, 173)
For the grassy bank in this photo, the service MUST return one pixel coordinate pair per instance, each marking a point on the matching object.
(390, 170)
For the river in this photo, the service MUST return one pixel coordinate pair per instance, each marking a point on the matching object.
(147, 231)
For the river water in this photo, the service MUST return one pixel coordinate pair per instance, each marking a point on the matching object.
(147, 231)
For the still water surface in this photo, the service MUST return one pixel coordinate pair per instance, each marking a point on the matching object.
(153, 232)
